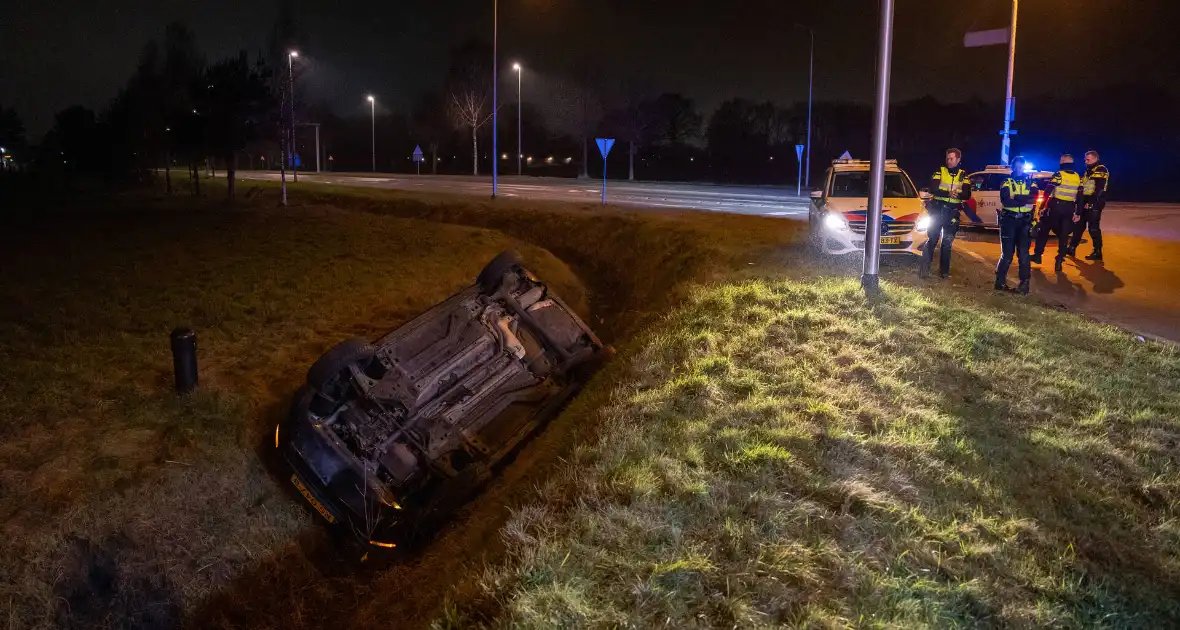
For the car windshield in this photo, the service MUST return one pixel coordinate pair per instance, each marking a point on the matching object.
(856, 184)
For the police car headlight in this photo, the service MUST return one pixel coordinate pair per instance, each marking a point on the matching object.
(923, 223)
(835, 222)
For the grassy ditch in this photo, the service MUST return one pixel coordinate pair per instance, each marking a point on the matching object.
(123, 506)
(778, 452)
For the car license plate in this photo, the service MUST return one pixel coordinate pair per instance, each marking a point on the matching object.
(319, 507)
(891, 240)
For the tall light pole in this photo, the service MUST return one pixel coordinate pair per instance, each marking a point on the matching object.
(869, 280)
(373, 116)
(519, 135)
(495, 90)
(1009, 108)
(291, 95)
(810, 82)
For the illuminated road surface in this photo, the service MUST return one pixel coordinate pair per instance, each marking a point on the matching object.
(1160, 221)
(771, 201)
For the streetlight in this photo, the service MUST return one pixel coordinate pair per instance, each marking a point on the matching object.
(810, 79)
(872, 261)
(291, 95)
(519, 135)
(1009, 108)
(495, 90)
(373, 114)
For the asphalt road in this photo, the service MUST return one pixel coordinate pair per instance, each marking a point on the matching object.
(772, 201)
(1147, 220)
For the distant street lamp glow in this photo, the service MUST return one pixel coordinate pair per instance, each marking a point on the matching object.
(519, 132)
(292, 150)
(373, 115)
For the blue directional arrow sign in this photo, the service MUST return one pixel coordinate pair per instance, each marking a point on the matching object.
(604, 147)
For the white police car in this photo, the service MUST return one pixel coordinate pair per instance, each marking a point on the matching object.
(983, 208)
(838, 210)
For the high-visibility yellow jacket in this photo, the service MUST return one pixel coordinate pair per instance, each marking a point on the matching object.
(950, 186)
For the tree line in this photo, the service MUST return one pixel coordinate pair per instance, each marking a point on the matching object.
(179, 109)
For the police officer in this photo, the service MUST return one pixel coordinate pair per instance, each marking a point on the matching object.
(1064, 193)
(1094, 185)
(1016, 197)
(950, 188)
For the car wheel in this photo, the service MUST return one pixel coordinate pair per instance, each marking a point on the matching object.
(492, 276)
(325, 373)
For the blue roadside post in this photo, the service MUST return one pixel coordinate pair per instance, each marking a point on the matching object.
(604, 147)
(799, 181)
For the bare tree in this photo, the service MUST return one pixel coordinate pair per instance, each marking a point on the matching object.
(470, 85)
(469, 110)
(633, 120)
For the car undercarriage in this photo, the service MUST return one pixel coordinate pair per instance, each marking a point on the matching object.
(388, 437)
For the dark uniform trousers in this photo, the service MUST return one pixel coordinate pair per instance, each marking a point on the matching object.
(1015, 238)
(944, 222)
(1090, 218)
(1059, 219)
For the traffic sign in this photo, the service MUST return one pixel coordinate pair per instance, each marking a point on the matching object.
(799, 180)
(604, 147)
(993, 37)
(846, 156)
(417, 153)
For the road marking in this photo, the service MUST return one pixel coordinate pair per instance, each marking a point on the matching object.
(976, 256)
(785, 214)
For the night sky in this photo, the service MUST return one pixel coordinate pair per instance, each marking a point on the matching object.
(55, 54)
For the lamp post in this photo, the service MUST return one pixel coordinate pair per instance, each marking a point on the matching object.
(810, 83)
(1009, 108)
(519, 134)
(373, 117)
(495, 91)
(291, 95)
(872, 261)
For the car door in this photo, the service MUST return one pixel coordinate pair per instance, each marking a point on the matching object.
(983, 209)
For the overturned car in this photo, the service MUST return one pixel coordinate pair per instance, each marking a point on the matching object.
(389, 437)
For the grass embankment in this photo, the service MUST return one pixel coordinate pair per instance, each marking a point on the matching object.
(781, 453)
(122, 506)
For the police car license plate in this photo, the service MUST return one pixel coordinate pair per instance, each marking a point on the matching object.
(891, 240)
(319, 507)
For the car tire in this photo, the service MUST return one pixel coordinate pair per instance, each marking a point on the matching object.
(326, 371)
(492, 276)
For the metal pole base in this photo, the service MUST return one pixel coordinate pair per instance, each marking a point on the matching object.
(871, 285)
